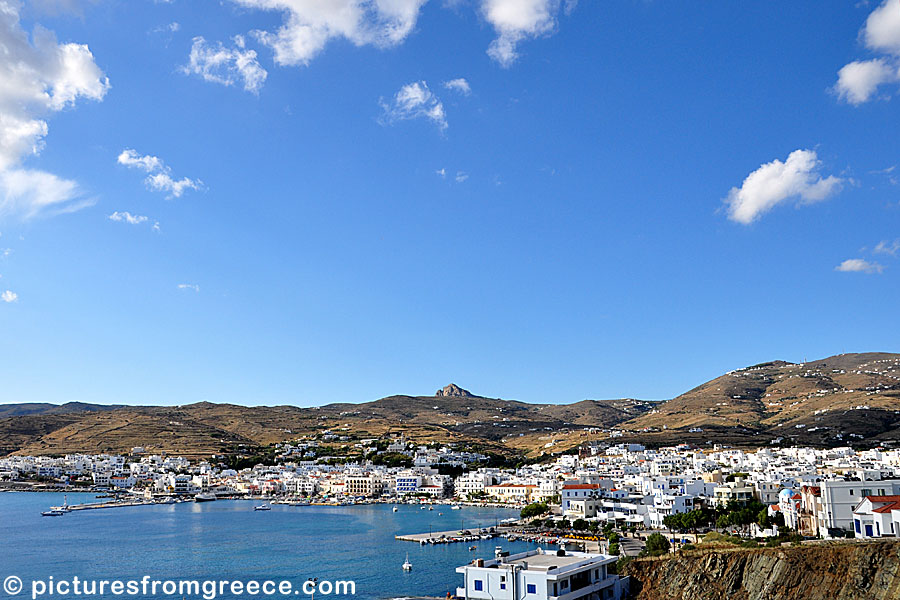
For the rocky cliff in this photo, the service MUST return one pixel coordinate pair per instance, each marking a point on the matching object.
(845, 571)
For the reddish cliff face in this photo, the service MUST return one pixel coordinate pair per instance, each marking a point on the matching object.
(839, 571)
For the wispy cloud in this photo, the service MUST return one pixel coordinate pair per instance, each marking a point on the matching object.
(859, 265)
(39, 77)
(9, 296)
(461, 176)
(414, 101)
(227, 66)
(189, 286)
(159, 178)
(886, 247)
(126, 217)
(859, 81)
(777, 182)
(459, 85)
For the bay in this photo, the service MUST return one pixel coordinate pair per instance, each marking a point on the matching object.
(228, 540)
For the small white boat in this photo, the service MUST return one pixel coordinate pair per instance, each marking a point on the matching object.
(407, 566)
(456, 507)
(430, 508)
(53, 513)
(262, 506)
(395, 509)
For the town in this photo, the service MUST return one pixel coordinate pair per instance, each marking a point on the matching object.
(804, 492)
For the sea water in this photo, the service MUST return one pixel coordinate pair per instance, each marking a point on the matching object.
(228, 540)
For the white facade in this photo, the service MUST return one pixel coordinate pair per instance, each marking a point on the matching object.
(536, 575)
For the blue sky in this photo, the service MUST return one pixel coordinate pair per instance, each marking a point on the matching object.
(272, 202)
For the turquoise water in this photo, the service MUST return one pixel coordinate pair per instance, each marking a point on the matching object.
(229, 540)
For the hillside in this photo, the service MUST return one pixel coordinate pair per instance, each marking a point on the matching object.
(849, 398)
(837, 398)
(206, 428)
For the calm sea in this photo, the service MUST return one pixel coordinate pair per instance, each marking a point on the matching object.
(229, 540)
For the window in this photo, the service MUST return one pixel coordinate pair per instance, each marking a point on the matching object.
(479, 585)
(502, 586)
(531, 588)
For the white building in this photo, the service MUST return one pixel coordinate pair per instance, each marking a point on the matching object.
(539, 575)
(877, 516)
(839, 498)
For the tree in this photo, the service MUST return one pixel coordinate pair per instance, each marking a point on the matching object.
(550, 524)
(533, 510)
(614, 548)
(564, 523)
(579, 525)
(656, 544)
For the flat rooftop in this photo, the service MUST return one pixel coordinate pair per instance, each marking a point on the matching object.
(545, 561)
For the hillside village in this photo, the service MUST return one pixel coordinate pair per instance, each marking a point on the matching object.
(815, 493)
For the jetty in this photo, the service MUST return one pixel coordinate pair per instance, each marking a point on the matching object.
(444, 537)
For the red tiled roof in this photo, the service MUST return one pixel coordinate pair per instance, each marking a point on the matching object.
(887, 507)
(582, 486)
(883, 498)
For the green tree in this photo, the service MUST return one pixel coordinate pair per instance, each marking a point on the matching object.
(614, 548)
(533, 510)
(579, 525)
(656, 544)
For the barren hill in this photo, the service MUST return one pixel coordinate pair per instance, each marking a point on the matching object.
(856, 394)
(833, 401)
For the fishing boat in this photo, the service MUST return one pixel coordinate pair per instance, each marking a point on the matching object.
(456, 507)
(395, 509)
(407, 566)
(430, 508)
(53, 513)
(262, 506)
(204, 497)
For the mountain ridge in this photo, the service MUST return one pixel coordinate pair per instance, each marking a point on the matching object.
(831, 401)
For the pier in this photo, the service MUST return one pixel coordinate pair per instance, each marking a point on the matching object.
(443, 537)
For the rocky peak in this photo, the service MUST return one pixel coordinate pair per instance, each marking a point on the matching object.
(453, 391)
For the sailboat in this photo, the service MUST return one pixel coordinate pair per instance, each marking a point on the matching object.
(407, 566)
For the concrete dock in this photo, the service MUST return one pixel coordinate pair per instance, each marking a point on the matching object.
(455, 535)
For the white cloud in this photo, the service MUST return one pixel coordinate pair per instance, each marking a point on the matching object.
(461, 176)
(38, 76)
(126, 217)
(163, 182)
(309, 25)
(459, 85)
(859, 81)
(885, 247)
(776, 182)
(9, 296)
(147, 163)
(859, 265)
(442, 172)
(28, 193)
(516, 21)
(415, 101)
(882, 29)
(218, 64)
(160, 175)
(189, 286)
